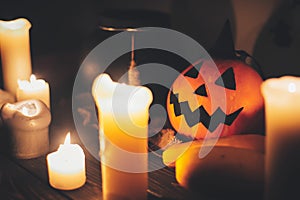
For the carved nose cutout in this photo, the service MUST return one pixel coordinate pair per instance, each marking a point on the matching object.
(201, 91)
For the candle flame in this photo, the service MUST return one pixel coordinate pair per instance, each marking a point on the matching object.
(133, 73)
(68, 139)
(32, 84)
(32, 78)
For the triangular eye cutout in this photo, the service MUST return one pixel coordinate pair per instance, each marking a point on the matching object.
(194, 71)
(227, 79)
(201, 91)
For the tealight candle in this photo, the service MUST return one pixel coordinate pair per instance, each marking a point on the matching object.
(28, 122)
(15, 52)
(33, 89)
(123, 121)
(282, 110)
(66, 166)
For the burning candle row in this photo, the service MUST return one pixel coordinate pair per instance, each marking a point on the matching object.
(123, 120)
(25, 110)
(26, 114)
(16, 62)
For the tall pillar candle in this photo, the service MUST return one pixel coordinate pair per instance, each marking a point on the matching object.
(33, 89)
(15, 52)
(282, 108)
(123, 120)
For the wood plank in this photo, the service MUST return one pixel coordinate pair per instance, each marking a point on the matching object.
(18, 183)
(162, 184)
(91, 189)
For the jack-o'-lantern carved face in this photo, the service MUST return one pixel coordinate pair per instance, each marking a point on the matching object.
(228, 100)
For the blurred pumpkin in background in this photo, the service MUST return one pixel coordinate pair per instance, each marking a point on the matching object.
(217, 97)
(190, 105)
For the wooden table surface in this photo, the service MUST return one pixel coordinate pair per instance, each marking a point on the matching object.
(28, 178)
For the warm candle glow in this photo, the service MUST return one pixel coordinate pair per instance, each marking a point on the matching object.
(28, 122)
(32, 84)
(282, 110)
(16, 24)
(30, 109)
(66, 166)
(15, 52)
(67, 139)
(33, 89)
(123, 121)
(292, 87)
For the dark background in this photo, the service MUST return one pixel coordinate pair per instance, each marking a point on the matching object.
(63, 32)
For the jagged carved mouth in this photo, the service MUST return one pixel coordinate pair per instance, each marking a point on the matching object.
(200, 115)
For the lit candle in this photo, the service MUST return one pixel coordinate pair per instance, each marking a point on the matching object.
(28, 122)
(123, 121)
(282, 108)
(33, 89)
(15, 52)
(66, 166)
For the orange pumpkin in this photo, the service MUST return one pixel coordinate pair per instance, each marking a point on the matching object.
(209, 101)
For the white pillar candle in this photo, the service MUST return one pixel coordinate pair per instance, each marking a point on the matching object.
(282, 108)
(66, 166)
(33, 89)
(15, 52)
(123, 121)
(28, 124)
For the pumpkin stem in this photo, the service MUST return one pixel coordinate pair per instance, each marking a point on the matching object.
(224, 45)
(243, 55)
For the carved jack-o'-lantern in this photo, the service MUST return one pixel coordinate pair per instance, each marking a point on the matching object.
(226, 100)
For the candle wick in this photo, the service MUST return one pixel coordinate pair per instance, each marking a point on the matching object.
(133, 74)
(132, 47)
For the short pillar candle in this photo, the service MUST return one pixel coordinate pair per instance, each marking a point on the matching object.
(33, 89)
(66, 166)
(28, 124)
